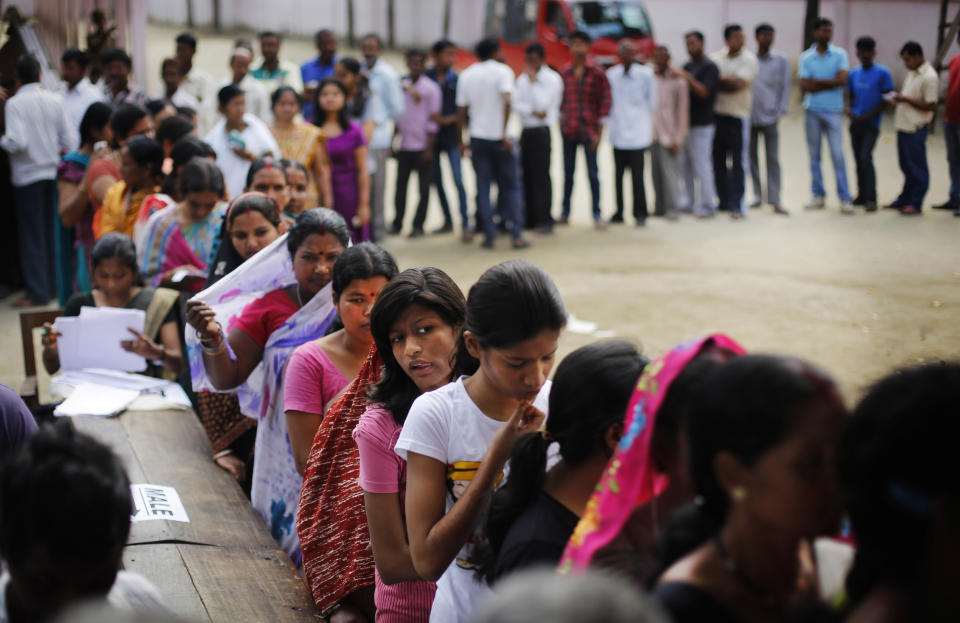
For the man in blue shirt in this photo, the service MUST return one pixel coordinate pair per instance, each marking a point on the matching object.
(866, 86)
(447, 141)
(318, 69)
(823, 76)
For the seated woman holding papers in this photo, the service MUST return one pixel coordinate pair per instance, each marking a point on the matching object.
(117, 283)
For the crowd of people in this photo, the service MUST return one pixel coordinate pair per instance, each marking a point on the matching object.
(338, 120)
(402, 441)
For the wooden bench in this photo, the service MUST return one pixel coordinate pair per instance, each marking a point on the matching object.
(223, 565)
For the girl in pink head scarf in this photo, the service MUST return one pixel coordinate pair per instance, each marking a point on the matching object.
(645, 479)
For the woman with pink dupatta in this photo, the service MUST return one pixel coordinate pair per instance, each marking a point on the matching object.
(646, 479)
(185, 236)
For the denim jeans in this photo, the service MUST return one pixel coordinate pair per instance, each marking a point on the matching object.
(453, 157)
(912, 154)
(863, 137)
(817, 124)
(569, 166)
(492, 162)
(728, 142)
(698, 157)
(951, 134)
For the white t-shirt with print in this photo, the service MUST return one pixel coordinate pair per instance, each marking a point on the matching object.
(447, 425)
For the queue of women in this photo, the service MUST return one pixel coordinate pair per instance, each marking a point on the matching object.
(403, 441)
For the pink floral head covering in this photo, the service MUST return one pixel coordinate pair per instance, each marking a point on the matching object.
(631, 478)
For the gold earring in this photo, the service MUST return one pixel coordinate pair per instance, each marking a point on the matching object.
(738, 494)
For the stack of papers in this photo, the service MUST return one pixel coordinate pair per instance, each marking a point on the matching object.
(92, 339)
(103, 393)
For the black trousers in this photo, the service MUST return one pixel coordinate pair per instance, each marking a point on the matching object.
(863, 136)
(728, 142)
(632, 159)
(407, 162)
(537, 185)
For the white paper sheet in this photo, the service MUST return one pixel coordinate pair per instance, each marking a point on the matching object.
(92, 339)
(153, 394)
(96, 400)
(157, 502)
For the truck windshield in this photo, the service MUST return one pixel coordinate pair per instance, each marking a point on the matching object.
(611, 19)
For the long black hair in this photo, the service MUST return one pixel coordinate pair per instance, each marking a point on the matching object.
(432, 288)
(228, 258)
(115, 245)
(201, 175)
(897, 465)
(510, 303)
(590, 392)
(320, 115)
(96, 117)
(358, 105)
(317, 221)
(745, 407)
(123, 119)
(184, 150)
(147, 153)
(361, 261)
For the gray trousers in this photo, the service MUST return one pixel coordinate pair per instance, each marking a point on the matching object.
(667, 178)
(698, 158)
(771, 138)
(378, 182)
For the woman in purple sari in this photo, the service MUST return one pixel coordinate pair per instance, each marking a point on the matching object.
(347, 148)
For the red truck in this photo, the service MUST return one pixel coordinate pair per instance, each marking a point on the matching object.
(517, 23)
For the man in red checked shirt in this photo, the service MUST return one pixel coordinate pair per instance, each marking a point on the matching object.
(586, 100)
(951, 132)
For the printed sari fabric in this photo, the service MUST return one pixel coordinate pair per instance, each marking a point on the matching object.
(631, 478)
(165, 245)
(332, 519)
(121, 208)
(276, 484)
(150, 205)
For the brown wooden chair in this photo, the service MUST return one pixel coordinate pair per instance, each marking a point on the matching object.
(28, 322)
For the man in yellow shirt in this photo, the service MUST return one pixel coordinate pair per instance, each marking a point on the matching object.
(915, 104)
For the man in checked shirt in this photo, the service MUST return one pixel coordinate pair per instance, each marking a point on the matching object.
(586, 99)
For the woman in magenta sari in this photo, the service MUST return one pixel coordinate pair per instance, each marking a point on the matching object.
(347, 149)
(185, 236)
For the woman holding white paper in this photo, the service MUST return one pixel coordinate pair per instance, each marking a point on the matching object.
(117, 283)
(260, 313)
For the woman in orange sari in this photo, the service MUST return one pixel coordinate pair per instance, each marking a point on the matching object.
(301, 142)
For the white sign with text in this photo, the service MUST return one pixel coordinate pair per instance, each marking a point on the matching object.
(157, 502)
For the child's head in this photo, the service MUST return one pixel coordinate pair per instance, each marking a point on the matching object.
(141, 163)
(253, 222)
(56, 560)
(898, 470)
(416, 323)
(268, 176)
(514, 318)
(298, 183)
(359, 275)
(201, 186)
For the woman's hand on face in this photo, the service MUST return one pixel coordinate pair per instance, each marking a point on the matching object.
(525, 419)
(202, 319)
(143, 346)
(236, 467)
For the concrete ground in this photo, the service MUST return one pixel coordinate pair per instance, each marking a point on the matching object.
(858, 295)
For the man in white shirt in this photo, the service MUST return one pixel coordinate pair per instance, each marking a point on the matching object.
(385, 90)
(196, 82)
(37, 133)
(258, 102)
(172, 90)
(633, 93)
(77, 91)
(537, 101)
(738, 68)
(484, 93)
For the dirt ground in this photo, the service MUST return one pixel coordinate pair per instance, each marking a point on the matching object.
(858, 295)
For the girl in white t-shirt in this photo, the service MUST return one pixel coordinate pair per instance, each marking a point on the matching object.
(457, 439)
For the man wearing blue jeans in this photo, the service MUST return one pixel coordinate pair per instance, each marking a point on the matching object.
(484, 92)
(442, 73)
(823, 76)
(867, 86)
(916, 103)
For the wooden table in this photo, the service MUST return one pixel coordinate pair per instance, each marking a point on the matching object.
(223, 565)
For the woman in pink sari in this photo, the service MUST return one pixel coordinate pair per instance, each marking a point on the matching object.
(181, 240)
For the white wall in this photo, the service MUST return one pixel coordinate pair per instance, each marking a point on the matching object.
(420, 22)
